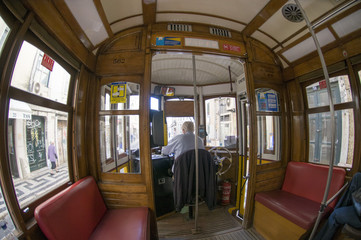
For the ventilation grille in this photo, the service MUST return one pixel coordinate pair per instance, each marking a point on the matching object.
(220, 32)
(292, 13)
(179, 27)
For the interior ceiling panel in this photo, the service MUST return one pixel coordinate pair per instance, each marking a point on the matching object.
(280, 28)
(264, 38)
(348, 24)
(170, 68)
(92, 27)
(307, 46)
(259, 19)
(116, 10)
(181, 17)
(127, 23)
(233, 9)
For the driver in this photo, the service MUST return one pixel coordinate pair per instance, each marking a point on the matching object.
(182, 142)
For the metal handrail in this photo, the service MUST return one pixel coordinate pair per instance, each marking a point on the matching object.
(332, 120)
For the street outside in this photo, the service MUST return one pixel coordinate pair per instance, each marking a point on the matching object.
(27, 190)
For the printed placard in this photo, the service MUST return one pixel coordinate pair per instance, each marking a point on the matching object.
(267, 102)
(47, 62)
(168, 41)
(118, 93)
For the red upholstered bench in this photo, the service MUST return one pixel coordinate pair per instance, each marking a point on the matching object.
(79, 212)
(298, 202)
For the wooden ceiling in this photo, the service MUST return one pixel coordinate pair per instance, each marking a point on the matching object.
(95, 21)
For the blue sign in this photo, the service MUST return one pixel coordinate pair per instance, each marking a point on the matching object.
(267, 102)
(168, 41)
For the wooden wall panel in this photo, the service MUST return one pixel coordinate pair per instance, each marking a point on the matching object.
(262, 54)
(125, 42)
(124, 195)
(179, 109)
(297, 130)
(123, 188)
(120, 200)
(79, 125)
(124, 63)
(298, 138)
(267, 73)
(269, 180)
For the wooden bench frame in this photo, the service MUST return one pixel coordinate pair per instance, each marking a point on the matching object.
(271, 220)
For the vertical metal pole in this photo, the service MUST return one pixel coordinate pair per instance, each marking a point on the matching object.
(195, 138)
(332, 115)
(201, 108)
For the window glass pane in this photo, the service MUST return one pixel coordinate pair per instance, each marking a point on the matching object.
(4, 33)
(269, 142)
(221, 122)
(5, 219)
(119, 141)
(320, 137)
(267, 100)
(269, 133)
(317, 93)
(120, 96)
(34, 73)
(174, 125)
(154, 103)
(35, 135)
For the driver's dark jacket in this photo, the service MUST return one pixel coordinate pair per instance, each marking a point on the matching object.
(185, 178)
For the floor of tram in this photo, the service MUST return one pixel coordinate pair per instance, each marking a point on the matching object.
(216, 224)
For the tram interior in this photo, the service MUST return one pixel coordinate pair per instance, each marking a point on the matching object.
(109, 84)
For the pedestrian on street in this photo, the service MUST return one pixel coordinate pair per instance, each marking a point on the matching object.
(52, 156)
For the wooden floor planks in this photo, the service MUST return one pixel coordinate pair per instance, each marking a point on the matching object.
(216, 224)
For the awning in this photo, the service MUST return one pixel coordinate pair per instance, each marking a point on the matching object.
(19, 110)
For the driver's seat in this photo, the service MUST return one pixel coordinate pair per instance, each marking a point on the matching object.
(185, 179)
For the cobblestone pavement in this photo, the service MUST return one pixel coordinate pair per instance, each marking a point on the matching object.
(39, 183)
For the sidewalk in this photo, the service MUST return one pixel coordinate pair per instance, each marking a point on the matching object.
(35, 186)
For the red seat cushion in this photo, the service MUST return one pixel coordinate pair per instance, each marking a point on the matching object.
(309, 181)
(301, 211)
(127, 223)
(73, 213)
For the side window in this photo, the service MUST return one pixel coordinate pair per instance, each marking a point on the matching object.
(6, 222)
(37, 73)
(221, 122)
(4, 33)
(268, 125)
(174, 125)
(38, 128)
(319, 135)
(119, 128)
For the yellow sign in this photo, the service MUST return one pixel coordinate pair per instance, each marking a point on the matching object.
(118, 93)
